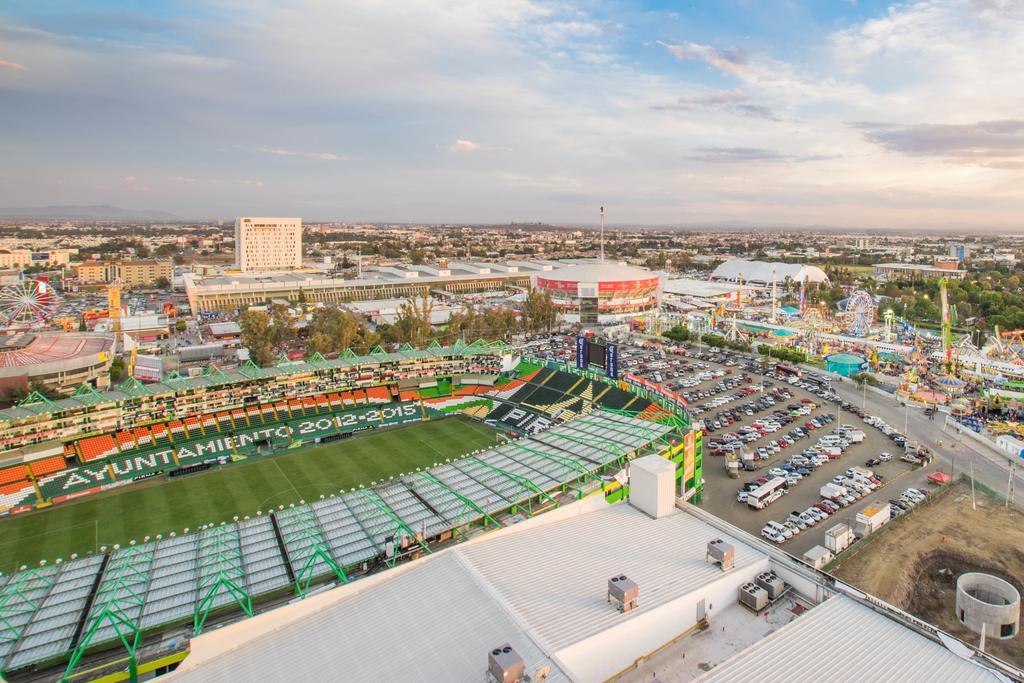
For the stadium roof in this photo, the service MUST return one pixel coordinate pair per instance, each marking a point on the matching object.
(842, 640)
(760, 272)
(599, 271)
(541, 586)
(700, 288)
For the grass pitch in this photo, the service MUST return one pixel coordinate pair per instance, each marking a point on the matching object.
(162, 506)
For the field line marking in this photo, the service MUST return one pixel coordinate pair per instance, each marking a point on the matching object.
(295, 490)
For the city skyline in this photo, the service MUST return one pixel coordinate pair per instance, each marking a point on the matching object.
(866, 114)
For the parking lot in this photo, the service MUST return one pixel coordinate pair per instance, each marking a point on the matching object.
(774, 417)
(792, 417)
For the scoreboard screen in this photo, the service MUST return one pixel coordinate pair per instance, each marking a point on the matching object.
(596, 354)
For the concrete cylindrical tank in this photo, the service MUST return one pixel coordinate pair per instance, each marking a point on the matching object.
(989, 600)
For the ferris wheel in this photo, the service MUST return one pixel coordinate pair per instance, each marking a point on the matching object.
(28, 301)
(860, 313)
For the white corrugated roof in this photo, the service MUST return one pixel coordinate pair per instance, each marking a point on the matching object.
(554, 578)
(601, 272)
(432, 623)
(761, 271)
(843, 641)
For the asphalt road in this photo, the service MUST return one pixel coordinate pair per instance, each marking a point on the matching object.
(956, 454)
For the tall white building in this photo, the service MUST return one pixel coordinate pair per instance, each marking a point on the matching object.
(263, 243)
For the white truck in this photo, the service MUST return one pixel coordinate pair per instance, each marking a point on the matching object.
(871, 519)
(833, 491)
(838, 538)
(854, 435)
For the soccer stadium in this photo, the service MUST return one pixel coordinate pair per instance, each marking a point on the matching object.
(158, 510)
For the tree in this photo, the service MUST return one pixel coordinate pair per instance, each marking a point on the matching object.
(117, 370)
(539, 313)
(180, 326)
(257, 336)
(413, 323)
(162, 283)
(283, 330)
(332, 331)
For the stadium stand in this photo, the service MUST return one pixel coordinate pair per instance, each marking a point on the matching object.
(41, 468)
(17, 494)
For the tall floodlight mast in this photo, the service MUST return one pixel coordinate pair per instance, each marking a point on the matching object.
(602, 233)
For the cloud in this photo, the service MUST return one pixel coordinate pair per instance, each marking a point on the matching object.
(251, 183)
(128, 179)
(733, 102)
(749, 154)
(183, 179)
(318, 156)
(727, 61)
(461, 145)
(13, 66)
(997, 144)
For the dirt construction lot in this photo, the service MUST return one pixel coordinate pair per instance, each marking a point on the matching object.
(914, 562)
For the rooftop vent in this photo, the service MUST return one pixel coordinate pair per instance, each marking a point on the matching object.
(624, 593)
(504, 665)
(722, 553)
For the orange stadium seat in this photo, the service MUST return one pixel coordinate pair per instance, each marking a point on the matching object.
(378, 395)
(143, 437)
(97, 447)
(12, 474)
(239, 418)
(47, 466)
(125, 441)
(209, 423)
(160, 433)
(281, 408)
(224, 421)
(194, 427)
(335, 400)
(254, 415)
(12, 495)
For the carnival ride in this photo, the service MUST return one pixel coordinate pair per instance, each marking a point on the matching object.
(859, 313)
(27, 302)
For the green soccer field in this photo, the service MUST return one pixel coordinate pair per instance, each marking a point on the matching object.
(162, 506)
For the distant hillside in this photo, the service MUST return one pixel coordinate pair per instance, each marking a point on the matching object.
(96, 212)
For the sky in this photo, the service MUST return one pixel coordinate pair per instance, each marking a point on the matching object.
(728, 112)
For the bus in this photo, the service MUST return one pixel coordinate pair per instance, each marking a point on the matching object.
(787, 371)
(766, 494)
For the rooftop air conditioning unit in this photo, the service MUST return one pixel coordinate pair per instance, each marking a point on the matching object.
(624, 592)
(771, 583)
(720, 552)
(753, 597)
(504, 665)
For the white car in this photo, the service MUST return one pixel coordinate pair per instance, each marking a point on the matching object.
(795, 528)
(742, 496)
(885, 457)
(772, 536)
(777, 472)
(794, 518)
(778, 528)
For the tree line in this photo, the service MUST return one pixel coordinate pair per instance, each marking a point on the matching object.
(271, 333)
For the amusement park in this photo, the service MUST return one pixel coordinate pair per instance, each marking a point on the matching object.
(973, 374)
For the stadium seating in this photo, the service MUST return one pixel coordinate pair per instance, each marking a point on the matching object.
(378, 395)
(46, 466)
(97, 447)
(20, 493)
(9, 475)
(125, 441)
(161, 434)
